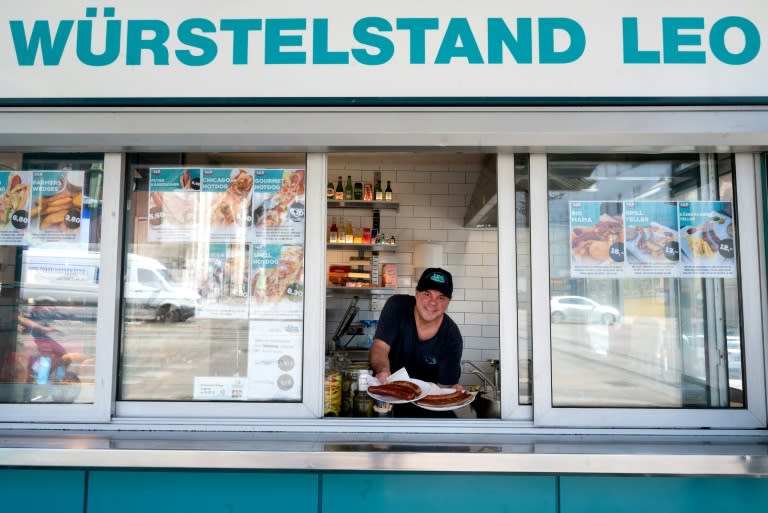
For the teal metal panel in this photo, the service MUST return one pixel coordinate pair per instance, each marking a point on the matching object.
(201, 492)
(41, 491)
(371, 492)
(582, 494)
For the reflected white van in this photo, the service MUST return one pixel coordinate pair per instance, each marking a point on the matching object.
(58, 277)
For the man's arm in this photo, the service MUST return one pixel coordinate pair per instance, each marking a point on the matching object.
(379, 360)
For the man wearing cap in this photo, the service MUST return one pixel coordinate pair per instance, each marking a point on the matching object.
(414, 332)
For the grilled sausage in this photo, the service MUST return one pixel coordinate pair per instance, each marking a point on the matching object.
(398, 389)
(456, 397)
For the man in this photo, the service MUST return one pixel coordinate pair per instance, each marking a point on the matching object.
(414, 332)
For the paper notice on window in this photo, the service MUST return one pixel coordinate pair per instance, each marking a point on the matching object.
(278, 201)
(219, 388)
(596, 239)
(15, 201)
(56, 210)
(174, 204)
(651, 238)
(276, 281)
(707, 239)
(274, 360)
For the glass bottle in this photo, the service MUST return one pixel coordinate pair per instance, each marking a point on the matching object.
(333, 236)
(339, 190)
(358, 192)
(330, 192)
(332, 389)
(378, 194)
(348, 190)
(362, 403)
(349, 235)
(388, 192)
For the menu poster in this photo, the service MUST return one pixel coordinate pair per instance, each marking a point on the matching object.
(15, 194)
(596, 238)
(278, 200)
(707, 234)
(651, 245)
(57, 204)
(274, 360)
(277, 281)
(223, 282)
(173, 204)
(228, 202)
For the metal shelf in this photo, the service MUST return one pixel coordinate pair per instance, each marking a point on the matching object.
(361, 290)
(369, 247)
(373, 205)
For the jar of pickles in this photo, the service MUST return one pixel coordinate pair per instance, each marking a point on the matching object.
(332, 389)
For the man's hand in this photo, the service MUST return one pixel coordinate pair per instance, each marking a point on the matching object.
(379, 360)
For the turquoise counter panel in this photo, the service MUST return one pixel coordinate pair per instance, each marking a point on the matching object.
(42, 491)
(447, 493)
(201, 492)
(583, 494)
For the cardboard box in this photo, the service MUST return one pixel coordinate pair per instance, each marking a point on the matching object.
(389, 276)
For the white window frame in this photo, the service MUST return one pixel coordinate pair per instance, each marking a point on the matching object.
(750, 243)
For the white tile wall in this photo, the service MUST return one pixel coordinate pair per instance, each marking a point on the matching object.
(433, 191)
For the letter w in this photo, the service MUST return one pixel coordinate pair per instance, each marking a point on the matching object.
(40, 39)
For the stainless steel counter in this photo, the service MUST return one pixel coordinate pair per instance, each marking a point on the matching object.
(546, 454)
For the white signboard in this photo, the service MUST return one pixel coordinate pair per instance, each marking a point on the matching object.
(431, 49)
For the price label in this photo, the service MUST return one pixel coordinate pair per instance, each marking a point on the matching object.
(72, 219)
(20, 219)
(725, 248)
(672, 251)
(156, 216)
(616, 251)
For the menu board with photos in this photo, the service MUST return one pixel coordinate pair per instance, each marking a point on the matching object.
(39, 207)
(597, 239)
(658, 239)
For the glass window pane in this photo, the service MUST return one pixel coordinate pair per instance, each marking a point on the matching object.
(50, 217)
(213, 278)
(644, 283)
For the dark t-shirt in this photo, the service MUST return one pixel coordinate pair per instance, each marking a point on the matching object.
(437, 360)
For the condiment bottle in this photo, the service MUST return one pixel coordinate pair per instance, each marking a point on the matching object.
(333, 236)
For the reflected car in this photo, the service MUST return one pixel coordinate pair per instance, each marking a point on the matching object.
(582, 309)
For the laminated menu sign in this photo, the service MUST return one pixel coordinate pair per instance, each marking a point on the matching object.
(56, 210)
(15, 194)
(274, 360)
(223, 282)
(276, 281)
(651, 242)
(174, 204)
(227, 205)
(278, 201)
(707, 233)
(596, 239)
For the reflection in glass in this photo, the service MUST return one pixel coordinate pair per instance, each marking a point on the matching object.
(644, 282)
(50, 278)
